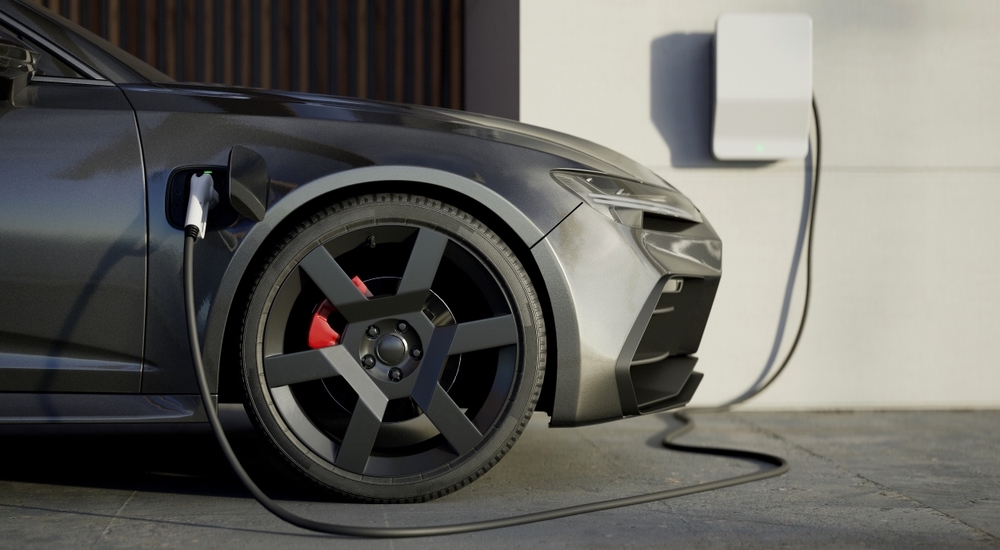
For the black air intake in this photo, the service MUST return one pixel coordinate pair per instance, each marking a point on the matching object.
(662, 371)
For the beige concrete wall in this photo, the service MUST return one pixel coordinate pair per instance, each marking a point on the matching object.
(906, 301)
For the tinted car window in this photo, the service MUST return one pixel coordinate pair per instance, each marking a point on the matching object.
(105, 59)
(48, 64)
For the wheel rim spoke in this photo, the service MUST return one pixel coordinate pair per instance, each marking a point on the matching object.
(282, 370)
(359, 439)
(422, 266)
(335, 284)
(484, 334)
(435, 355)
(452, 422)
(292, 368)
(439, 407)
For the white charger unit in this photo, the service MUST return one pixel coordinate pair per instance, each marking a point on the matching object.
(763, 86)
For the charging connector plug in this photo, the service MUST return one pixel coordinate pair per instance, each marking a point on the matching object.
(203, 197)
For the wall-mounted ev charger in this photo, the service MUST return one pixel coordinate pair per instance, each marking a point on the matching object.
(763, 86)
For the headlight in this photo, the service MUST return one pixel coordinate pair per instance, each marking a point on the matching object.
(621, 199)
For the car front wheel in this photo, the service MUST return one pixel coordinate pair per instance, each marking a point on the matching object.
(393, 348)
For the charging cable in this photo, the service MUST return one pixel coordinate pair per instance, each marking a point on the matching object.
(805, 236)
(201, 202)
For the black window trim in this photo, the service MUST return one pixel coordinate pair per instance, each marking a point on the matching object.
(44, 78)
(91, 76)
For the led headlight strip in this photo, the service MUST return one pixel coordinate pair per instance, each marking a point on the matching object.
(607, 193)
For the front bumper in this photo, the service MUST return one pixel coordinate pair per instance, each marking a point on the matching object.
(629, 306)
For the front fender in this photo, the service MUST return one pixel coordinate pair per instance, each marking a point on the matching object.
(249, 247)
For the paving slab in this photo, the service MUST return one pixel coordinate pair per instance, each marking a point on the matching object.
(867, 479)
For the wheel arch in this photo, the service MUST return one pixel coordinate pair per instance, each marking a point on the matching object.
(510, 223)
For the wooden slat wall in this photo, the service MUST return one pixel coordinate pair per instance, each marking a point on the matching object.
(397, 50)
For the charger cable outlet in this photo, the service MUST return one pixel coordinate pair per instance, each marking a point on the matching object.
(203, 197)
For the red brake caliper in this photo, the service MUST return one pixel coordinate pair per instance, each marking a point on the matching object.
(321, 334)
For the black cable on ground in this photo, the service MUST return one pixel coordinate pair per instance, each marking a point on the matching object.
(780, 465)
(757, 388)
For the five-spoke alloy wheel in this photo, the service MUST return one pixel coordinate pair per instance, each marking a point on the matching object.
(393, 348)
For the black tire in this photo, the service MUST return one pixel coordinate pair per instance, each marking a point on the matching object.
(443, 284)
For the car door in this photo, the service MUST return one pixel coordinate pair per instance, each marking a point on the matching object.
(72, 234)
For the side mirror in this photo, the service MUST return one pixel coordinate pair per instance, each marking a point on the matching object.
(17, 65)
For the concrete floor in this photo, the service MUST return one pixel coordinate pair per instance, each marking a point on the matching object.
(870, 480)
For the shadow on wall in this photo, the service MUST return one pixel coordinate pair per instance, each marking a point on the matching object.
(682, 92)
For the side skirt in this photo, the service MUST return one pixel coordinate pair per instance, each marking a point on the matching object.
(85, 408)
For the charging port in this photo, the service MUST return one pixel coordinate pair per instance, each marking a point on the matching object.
(179, 189)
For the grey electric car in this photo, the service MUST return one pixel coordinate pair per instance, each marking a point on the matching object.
(419, 282)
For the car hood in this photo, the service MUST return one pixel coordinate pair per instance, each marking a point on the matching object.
(535, 137)
(246, 101)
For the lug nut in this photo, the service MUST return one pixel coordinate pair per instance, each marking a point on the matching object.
(395, 374)
(402, 327)
(416, 353)
(372, 332)
(368, 361)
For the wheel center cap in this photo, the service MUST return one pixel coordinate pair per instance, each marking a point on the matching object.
(391, 349)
